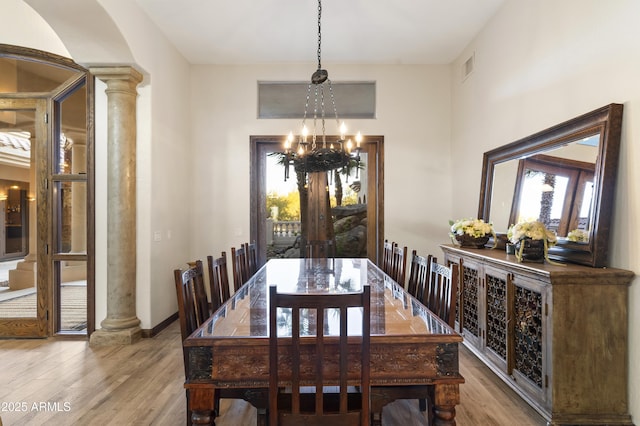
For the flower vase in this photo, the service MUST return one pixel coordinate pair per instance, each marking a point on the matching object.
(528, 250)
(470, 241)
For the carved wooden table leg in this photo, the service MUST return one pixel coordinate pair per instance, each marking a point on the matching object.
(202, 405)
(202, 417)
(262, 417)
(446, 397)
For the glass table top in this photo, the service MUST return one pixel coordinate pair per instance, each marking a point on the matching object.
(393, 311)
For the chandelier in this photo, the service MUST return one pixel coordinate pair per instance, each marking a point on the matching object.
(311, 151)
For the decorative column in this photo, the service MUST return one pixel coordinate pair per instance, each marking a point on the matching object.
(121, 326)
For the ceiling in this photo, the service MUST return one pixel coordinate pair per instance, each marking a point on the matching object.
(353, 31)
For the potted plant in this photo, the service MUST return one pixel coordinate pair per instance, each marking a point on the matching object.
(532, 241)
(473, 233)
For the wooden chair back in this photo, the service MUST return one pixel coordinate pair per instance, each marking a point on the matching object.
(252, 258)
(441, 291)
(218, 280)
(193, 307)
(240, 267)
(318, 361)
(419, 269)
(387, 256)
(398, 264)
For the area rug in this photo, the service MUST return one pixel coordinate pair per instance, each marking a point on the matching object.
(73, 307)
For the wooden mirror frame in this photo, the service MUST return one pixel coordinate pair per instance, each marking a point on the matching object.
(605, 121)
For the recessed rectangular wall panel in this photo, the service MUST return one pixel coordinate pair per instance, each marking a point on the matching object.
(287, 99)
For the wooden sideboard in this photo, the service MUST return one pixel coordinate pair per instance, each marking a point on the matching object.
(556, 334)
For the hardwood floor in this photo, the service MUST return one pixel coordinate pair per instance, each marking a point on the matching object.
(62, 382)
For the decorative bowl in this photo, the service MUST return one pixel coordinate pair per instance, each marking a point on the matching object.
(469, 241)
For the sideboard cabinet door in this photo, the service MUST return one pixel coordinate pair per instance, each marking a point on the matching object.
(497, 338)
(529, 361)
(468, 306)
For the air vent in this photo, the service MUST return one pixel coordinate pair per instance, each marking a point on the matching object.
(467, 67)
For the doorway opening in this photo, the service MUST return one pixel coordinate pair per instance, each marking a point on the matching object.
(46, 195)
(357, 202)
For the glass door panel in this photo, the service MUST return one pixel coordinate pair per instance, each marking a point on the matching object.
(69, 179)
(71, 296)
(70, 265)
(23, 302)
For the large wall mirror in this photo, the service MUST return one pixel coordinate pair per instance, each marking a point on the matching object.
(565, 177)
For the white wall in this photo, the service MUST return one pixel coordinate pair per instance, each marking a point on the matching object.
(26, 28)
(413, 115)
(542, 62)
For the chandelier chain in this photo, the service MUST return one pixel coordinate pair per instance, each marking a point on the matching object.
(324, 135)
(333, 103)
(316, 155)
(319, 32)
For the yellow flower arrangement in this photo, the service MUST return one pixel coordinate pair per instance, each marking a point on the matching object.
(520, 233)
(534, 230)
(477, 229)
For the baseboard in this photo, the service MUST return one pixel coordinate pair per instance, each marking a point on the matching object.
(146, 333)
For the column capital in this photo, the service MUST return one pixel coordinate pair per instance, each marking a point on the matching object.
(107, 74)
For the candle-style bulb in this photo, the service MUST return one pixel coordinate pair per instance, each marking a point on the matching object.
(343, 130)
(288, 142)
(358, 139)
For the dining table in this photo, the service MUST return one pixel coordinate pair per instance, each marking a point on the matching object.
(413, 353)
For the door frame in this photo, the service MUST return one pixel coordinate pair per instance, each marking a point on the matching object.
(260, 146)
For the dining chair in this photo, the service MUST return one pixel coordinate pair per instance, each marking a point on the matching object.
(387, 256)
(419, 267)
(398, 264)
(193, 307)
(419, 273)
(218, 280)
(308, 360)
(441, 291)
(240, 267)
(252, 258)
